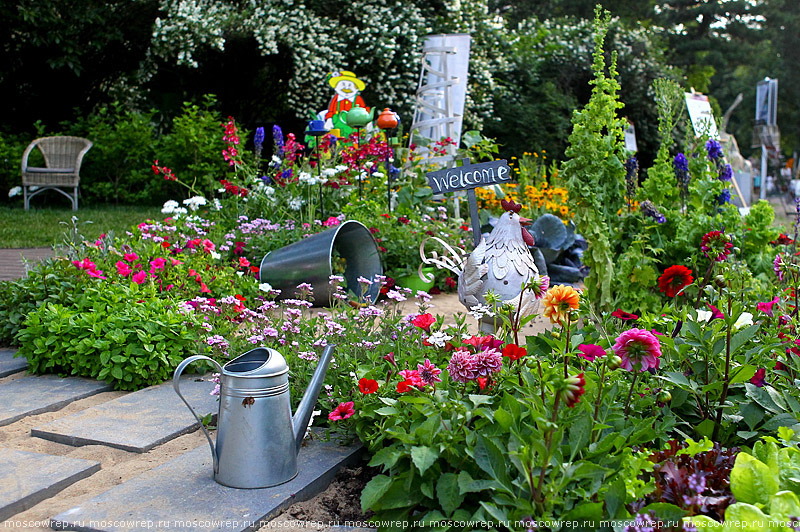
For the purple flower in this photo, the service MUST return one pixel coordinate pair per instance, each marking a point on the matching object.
(681, 166)
(277, 136)
(724, 197)
(631, 176)
(648, 209)
(714, 150)
(428, 372)
(777, 266)
(726, 173)
(258, 140)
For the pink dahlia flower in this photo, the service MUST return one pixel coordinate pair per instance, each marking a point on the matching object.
(487, 362)
(462, 367)
(639, 349)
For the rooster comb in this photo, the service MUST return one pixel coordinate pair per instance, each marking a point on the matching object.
(510, 206)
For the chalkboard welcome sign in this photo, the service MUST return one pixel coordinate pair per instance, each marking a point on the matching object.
(469, 176)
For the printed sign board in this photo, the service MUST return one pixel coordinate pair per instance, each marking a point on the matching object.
(701, 116)
(767, 102)
(630, 138)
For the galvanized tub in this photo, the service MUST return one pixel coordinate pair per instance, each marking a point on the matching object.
(310, 261)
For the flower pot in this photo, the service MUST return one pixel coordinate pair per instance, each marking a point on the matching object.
(310, 261)
(414, 282)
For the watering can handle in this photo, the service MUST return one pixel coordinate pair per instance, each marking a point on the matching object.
(176, 384)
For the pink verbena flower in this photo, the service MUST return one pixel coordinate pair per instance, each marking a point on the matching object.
(639, 350)
(462, 367)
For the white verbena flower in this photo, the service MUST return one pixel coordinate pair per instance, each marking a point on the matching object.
(295, 204)
(265, 287)
(479, 311)
(195, 202)
(439, 338)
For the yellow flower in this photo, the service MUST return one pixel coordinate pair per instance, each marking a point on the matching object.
(559, 301)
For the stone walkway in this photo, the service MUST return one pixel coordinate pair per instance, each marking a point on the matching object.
(13, 261)
(178, 491)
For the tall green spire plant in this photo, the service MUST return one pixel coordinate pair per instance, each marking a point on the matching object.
(594, 171)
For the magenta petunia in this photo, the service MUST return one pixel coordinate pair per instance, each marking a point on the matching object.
(639, 350)
(760, 378)
(766, 306)
(591, 351)
(123, 269)
(343, 411)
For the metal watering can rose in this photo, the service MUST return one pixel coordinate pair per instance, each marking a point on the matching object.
(257, 437)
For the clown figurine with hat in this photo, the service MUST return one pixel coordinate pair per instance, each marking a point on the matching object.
(347, 87)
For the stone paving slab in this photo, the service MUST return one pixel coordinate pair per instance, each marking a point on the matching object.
(28, 478)
(13, 261)
(182, 495)
(138, 421)
(33, 395)
(9, 364)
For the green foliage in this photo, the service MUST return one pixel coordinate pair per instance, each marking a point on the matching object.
(118, 333)
(46, 283)
(193, 146)
(594, 171)
(766, 485)
(116, 168)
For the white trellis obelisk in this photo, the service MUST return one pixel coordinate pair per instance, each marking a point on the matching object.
(440, 98)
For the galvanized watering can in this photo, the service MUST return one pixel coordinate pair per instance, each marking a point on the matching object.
(257, 437)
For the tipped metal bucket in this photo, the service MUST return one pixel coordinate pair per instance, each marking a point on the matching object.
(310, 261)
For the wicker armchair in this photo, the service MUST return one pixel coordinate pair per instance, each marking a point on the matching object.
(62, 159)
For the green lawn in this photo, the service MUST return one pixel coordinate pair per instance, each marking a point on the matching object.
(45, 227)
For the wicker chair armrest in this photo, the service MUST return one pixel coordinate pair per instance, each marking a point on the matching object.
(39, 170)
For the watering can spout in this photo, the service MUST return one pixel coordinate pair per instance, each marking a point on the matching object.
(303, 415)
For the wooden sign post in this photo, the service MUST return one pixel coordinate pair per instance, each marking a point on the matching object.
(469, 177)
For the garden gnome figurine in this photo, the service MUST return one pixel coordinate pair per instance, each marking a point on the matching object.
(347, 87)
(501, 263)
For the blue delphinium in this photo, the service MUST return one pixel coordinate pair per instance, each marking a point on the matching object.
(714, 150)
(725, 197)
(631, 176)
(258, 140)
(726, 172)
(650, 210)
(681, 166)
(277, 135)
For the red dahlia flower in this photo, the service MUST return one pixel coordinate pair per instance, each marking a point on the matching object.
(573, 390)
(716, 246)
(674, 279)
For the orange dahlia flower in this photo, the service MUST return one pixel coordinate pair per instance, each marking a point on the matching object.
(559, 301)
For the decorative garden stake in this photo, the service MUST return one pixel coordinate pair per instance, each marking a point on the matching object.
(257, 437)
(503, 264)
(388, 121)
(347, 87)
(316, 128)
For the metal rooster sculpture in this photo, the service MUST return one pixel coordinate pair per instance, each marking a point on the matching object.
(501, 263)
